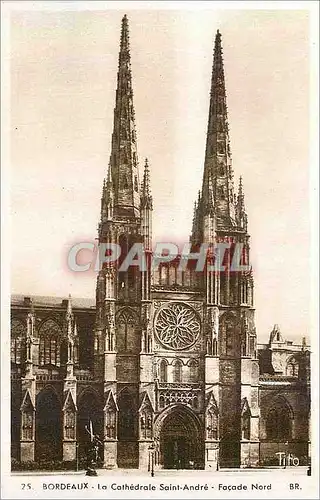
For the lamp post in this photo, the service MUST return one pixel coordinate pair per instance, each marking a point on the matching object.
(77, 456)
(151, 459)
(286, 454)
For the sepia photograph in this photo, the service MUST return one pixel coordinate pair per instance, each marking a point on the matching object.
(162, 304)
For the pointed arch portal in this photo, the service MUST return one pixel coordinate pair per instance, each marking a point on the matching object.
(48, 425)
(180, 441)
(89, 410)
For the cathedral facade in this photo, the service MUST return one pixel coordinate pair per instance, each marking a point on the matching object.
(165, 363)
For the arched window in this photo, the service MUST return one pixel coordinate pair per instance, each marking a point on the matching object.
(214, 347)
(163, 371)
(122, 276)
(48, 425)
(127, 280)
(89, 412)
(27, 417)
(146, 423)
(27, 425)
(111, 424)
(126, 424)
(279, 422)
(110, 410)
(177, 371)
(70, 424)
(229, 339)
(18, 333)
(228, 336)
(292, 368)
(132, 270)
(127, 338)
(245, 422)
(50, 343)
(193, 370)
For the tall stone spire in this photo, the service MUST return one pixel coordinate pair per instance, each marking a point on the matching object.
(217, 165)
(124, 158)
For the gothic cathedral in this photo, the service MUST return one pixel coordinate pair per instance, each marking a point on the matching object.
(177, 352)
(166, 366)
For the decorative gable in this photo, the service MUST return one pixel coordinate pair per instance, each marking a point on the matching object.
(146, 404)
(110, 416)
(27, 404)
(69, 403)
(110, 403)
(245, 408)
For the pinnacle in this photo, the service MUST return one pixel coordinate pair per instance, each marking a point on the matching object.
(217, 43)
(109, 177)
(146, 179)
(240, 191)
(69, 306)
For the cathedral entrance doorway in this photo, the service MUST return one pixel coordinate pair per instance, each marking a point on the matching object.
(89, 412)
(48, 426)
(180, 444)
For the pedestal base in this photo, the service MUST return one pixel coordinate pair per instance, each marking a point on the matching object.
(27, 451)
(69, 451)
(110, 454)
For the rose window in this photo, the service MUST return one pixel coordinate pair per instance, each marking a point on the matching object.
(177, 326)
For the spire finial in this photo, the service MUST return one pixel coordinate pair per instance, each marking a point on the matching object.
(124, 32)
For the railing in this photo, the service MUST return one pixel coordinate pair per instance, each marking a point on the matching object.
(173, 386)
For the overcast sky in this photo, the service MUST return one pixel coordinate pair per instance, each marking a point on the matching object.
(63, 80)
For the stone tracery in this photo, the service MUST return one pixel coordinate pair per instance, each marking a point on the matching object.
(177, 326)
